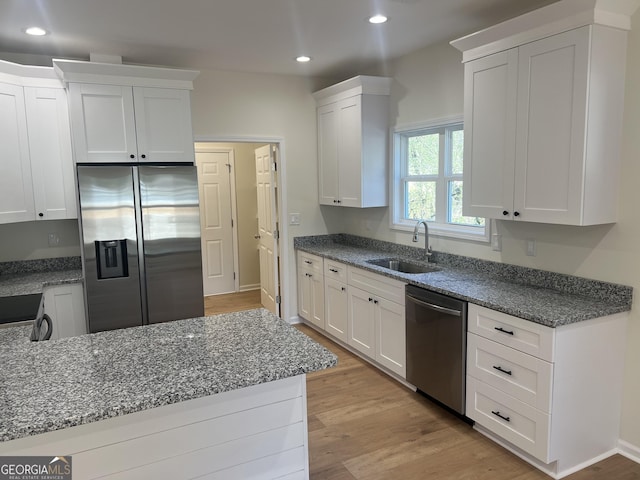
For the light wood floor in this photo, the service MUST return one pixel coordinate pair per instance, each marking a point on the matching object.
(232, 302)
(364, 425)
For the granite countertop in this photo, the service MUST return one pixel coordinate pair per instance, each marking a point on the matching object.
(24, 277)
(58, 384)
(546, 298)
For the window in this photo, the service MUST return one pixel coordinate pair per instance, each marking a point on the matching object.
(428, 181)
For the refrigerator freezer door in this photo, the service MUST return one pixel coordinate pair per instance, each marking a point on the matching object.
(107, 213)
(171, 242)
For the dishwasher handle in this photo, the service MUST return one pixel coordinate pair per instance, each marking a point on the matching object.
(437, 308)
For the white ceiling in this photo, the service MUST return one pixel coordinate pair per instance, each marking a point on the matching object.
(247, 35)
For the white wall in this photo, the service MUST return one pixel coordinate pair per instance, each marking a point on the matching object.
(429, 84)
(29, 240)
(228, 105)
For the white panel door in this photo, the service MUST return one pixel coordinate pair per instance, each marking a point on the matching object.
(16, 190)
(305, 295)
(336, 309)
(54, 188)
(103, 123)
(216, 220)
(362, 330)
(490, 135)
(328, 154)
(163, 124)
(65, 305)
(552, 88)
(350, 151)
(267, 229)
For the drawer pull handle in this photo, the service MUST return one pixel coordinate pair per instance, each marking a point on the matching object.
(308, 262)
(500, 369)
(333, 270)
(343, 288)
(500, 329)
(497, 414)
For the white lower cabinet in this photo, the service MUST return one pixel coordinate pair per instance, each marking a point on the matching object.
(362, 309)
(311, 289)
(65, 305)
(552, 395)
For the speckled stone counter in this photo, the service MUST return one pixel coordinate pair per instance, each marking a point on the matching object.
(547, 298)
(49, 386)
(31, 276)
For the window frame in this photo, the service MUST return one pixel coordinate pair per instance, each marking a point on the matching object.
(439, 227)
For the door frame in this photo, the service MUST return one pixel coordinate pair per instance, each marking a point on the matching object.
(281, 199)
(234, 210)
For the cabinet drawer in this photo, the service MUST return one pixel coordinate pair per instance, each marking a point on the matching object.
(376, 284)
(522, 376)
(335, 270)
(528, 337)
(310, 262)
(520, 424)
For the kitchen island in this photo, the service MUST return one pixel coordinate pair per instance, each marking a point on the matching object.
(220, 396)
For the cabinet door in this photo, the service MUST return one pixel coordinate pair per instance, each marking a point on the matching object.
(65, 305)
(361, 319)
(336, 308)
(391, 348)
(328, 154)
(16, 191)
(163, 125)
(317, 300)
(54, 188)
(305, 307)
(103, 123)
(552, 92)
(489, 135)
(350, 151)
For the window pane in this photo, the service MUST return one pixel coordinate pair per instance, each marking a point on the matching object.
(457, 149)
(423, 154)
(455, 207)
(420, 201)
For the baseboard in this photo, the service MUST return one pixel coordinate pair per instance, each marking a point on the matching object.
(295, 319)
(626, 449)
(248, 288)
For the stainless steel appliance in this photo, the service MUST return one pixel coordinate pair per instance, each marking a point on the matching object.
(141, 244)
(436, 346)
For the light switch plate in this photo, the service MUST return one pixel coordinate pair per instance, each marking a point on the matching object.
(53, 239)
(531, 247)
(294, 219)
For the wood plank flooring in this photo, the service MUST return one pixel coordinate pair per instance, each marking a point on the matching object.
(232, 302)
(365, 425)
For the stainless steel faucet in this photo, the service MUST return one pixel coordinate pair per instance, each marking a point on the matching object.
(427, 248)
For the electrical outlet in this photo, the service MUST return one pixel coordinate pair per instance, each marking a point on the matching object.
(531, 247)
(496, 242)
(294, 219)
(53, 239)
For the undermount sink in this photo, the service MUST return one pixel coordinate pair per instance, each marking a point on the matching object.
(402, 266)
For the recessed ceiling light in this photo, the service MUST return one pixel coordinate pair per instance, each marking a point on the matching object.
(35, 31)
(303, 59)
(378, 19)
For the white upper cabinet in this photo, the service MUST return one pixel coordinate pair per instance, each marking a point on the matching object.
(353, 121)
(36, 165)
(114, 123)
(16, 190)
(129, 113)
(543, 121)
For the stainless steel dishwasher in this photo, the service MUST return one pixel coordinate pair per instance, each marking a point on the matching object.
(437, 346)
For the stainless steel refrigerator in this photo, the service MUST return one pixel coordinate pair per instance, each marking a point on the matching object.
(141, 244)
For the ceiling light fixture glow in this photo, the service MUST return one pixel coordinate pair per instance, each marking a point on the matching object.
(303, 59)
(35, 31)
(378, 19)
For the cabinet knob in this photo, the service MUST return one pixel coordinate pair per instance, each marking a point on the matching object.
(516, 214)
(342, 288)
(132, 156)
(41, 214)
(370, 299)
(143, 156)
(375, 301)
(505, 213)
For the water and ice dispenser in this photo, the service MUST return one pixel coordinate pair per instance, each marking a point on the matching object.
(111, 256)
